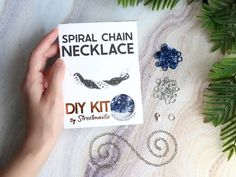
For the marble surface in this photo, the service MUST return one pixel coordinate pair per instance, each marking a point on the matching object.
(197, 145)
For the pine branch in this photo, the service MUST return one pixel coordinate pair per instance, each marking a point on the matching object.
(155, 4)
(228, 136)
(158, 4)
(126, 3)
(219, 105)
(219, 18)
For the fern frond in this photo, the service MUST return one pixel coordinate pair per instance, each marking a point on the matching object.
(155, 4)
(126, 3)
(224, 70)
(224, 39)
(228, 136)
(219, 105)
(158, 4)
(219, 17)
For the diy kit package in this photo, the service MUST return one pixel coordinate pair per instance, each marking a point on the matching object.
(102, 81)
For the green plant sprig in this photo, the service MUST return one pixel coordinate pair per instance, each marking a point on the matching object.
(155, 4)
(219, 105)
(219, 18)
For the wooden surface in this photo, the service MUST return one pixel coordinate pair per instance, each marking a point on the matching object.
(24, 22)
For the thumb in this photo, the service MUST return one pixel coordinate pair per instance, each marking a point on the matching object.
(57, 73)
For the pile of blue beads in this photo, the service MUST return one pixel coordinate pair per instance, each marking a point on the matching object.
(167, 57)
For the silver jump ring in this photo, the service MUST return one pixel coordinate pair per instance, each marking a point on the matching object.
(171, 117)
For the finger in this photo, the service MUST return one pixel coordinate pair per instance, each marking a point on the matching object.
(57, 73)
(47, 41)
(52, 51)
(33, 88)
(38, 59)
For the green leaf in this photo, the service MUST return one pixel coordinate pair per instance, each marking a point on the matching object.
(155, 4)
(219, 18)
(126, 3)
(231, 152)
(224, 70)
(158, 4)
(219, 105)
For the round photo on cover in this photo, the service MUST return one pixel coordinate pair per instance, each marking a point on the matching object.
(122, 107)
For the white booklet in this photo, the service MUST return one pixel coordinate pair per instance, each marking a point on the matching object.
(102, 81)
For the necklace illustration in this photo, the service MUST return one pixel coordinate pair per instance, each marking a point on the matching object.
(91, 84)
(105, 83)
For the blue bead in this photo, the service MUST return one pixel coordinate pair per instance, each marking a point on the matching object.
(164, 68)
(173, 65)
(164, 47)
(178, 54)
(180, 59)
(157, 55)
(157, 64)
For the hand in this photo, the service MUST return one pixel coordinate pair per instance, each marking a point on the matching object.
(42, 92)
